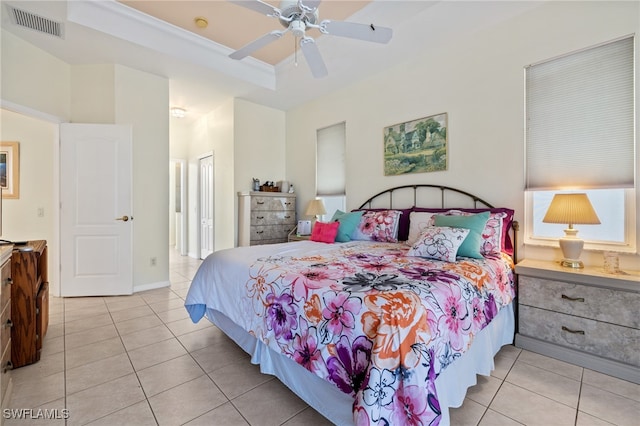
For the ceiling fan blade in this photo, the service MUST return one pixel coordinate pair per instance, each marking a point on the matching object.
(313, 57)
(310, 5)
(256, 44)
(258, 6)
(358, 31)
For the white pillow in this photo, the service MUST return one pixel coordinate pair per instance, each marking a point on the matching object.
(439, 242)
(418, 222)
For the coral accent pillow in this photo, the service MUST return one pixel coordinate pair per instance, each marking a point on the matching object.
(325, 232)
(475, 223)
(439, 242)
(348, 224)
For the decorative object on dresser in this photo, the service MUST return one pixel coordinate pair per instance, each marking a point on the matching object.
(583, 316)
(571, 209)
(29, 302)
(5, 325)
(265, 217)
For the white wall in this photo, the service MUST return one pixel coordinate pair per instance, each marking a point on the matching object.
(142, 100)
(34, 78)
(478, 81)
(20, 217)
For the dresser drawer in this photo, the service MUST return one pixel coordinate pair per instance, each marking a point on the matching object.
(270, 217)
(599, 338)
(273, 203)
(5, 325)
(616, 307)
(270, 232)
(5, 370)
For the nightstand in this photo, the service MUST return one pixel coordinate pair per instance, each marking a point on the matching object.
(583, 316)
(294, 237)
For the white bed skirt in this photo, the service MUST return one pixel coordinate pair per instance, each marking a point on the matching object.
(336, 406)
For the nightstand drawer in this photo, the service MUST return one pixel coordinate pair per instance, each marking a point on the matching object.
(595, 337)
(616, 307)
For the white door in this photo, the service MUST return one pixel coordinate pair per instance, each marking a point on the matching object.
(95, 218)
(206, 206)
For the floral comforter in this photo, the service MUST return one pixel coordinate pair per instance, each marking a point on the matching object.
(378, 324)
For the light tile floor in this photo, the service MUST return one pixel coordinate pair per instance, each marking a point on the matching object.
(138, 360)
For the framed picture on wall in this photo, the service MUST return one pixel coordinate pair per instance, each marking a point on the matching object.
(416, 146)
(10, 169)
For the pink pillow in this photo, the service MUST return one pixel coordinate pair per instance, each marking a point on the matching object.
(325, 232)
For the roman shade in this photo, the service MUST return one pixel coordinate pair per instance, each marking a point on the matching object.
(330, 160)
(580, 119)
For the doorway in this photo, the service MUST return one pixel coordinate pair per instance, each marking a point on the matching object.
(206, 205)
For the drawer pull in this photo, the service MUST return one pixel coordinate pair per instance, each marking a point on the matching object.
(8, 366)
(287, 203)
(568, 330)
(573, 299)
(260, 232)
(259, 217)
(8, 324)
(287, 217)
(260, 202)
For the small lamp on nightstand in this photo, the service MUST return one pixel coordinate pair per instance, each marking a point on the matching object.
(571, 209)
(315, 209)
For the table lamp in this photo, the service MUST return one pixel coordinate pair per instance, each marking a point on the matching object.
(315, 209)
(571, 209)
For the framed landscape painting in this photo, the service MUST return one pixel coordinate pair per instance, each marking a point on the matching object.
(10, 169)
(416, 146)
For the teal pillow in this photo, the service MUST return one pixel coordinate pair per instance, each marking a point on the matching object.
(348, 224)
(475, 224)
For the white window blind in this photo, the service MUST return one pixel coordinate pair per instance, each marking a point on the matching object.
(580, 119)
(330, 160)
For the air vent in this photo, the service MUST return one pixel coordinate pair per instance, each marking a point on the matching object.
(35, 22)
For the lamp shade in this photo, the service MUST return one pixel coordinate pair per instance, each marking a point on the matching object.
(315, 208)
(571, 209)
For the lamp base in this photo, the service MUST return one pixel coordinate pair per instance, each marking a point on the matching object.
(572, 263)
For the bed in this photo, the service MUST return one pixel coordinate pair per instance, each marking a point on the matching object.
(391, 323)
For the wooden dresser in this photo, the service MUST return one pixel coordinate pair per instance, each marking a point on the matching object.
(583, 316)
(5, 326)
(265, 217)
(29, 302)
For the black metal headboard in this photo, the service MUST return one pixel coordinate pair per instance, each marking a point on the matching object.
(436, 196)
(425, 189)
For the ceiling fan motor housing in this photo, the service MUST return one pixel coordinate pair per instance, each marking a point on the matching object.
(289, 12)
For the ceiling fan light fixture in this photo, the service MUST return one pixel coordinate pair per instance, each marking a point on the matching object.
(178, 112)
(201, 22)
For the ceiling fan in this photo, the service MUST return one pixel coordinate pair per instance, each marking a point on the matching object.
(298, 15)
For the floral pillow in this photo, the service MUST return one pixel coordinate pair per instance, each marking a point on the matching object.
(418, 222)
(495, 236)
(439, 242)
(378, 226)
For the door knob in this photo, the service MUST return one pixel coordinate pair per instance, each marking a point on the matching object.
(123, 218)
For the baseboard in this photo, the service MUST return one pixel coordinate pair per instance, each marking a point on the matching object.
(603, 365)
(150, 286)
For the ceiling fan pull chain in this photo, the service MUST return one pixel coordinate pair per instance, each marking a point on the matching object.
(295, 51)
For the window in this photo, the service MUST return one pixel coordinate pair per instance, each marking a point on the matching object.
(580, 136)
(330, 168)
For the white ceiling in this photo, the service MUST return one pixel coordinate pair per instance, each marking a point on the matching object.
(202, 75)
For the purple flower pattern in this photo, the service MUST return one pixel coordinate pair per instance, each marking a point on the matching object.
(313, 310)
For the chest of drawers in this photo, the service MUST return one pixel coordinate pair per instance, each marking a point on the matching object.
(5, 325)
(265, 217)
(581, 316)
